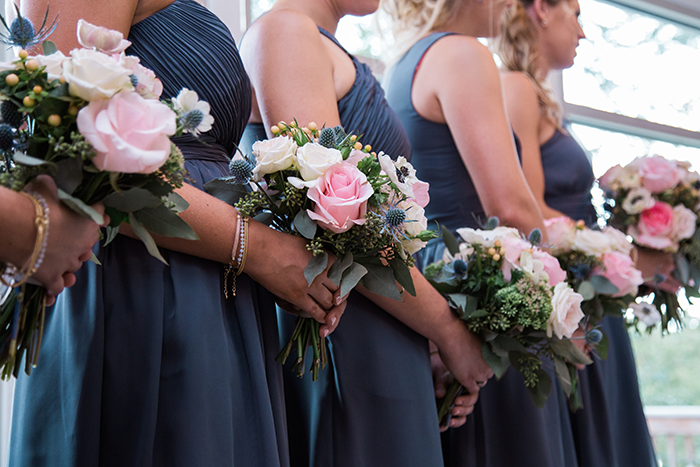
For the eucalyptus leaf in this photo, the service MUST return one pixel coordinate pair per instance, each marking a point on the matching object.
(335, 272)
(317, 264)
(81, 208)
(351, 277)
(499, 365)
(450, 240)
(163, 221)
(459, 301)
(265, 218)
(566, 349)
(110, 234)
(682, 271)
(586, 290)
(540, 393)
(69, 174)
(601, 347)
(510, 344)
(402, 273)
(145, 237)
(94, 259)
(48, 47)
(225, 191)
(602, 285)
(22, 158)
(563, 374)
(305, 225)
(380, 280)
(180, 203)
(132, 200)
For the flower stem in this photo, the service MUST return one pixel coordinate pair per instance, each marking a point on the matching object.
(447, 403)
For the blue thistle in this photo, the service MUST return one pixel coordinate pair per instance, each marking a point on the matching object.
(327, 138)
(594, 336)
(459, 266)
(134, 80)
(394, 218)
(9, 111)
(340, 135)
(241, 171)
(21, 33)
(191, 120)
(581, 271)
(492, 223)
(6, 136)
(535, 236)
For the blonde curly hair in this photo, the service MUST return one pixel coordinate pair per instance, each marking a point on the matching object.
(516, 45)
(413, 19)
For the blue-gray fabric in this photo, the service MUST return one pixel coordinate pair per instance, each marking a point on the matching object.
(373, 405)
(506, 429)
(148, 365)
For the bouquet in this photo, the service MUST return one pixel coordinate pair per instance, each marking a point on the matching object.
(656, 202)
(92, 120)
(325, 186)
(514, 295)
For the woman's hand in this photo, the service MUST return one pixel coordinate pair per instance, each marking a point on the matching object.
(461, 354)
(277, 262)
(464, 405)
(70, 240)
(653, 262)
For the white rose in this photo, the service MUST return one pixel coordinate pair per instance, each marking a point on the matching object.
(415, 223)
(646, 313)
(618, 240)
(592, 242)
(637, 200)
(487, 237)
(566, 311)
(684, 223)
(106, 40)
(314, 160)
(273, 155)
(53, 64)
(93, 75)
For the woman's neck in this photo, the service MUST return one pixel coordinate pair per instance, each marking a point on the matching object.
(324, 12)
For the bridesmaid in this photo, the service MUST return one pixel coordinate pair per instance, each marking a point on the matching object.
(374, 405)
(446, 90)
(145, 364)
(539, 36)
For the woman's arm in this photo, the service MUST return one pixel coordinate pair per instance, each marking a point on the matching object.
(526, 118)
(458, 84)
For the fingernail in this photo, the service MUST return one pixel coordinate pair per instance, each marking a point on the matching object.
(333, 320)
(338, 300)
(325, 333)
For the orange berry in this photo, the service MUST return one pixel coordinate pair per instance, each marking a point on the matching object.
(28, 101)
(37, 89)
(31, 64)
(12, 79)
(54, 120)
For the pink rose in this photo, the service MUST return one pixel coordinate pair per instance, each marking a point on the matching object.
(514, 247)
(129, 133)
(610, 176)
(551, 266)
(340, 195)
(658, 174)
(561, 232)
(619, 269)
(103, 39)
(655, 227)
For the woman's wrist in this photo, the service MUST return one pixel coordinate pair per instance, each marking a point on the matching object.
(18, 244)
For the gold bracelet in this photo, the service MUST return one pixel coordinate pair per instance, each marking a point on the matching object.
(239, 253)
(41, 222)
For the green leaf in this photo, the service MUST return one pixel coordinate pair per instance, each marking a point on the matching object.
(48, 47)
(498, 365)
(69, 174)
(24, 159)
(305, 225)
(180, 203)
(94, 259)
(380, 280)
(450, 240)
(163, 221)
(459, 302)
(509, 344)
(81, 208)
(540, 393)
(335, 272)
(563, 374)
(317, 264)
(265, 218)
(351, 277)
(225, 191)
(587, 290)
(602, 285)
(402, 274)
(566, 349)
(145, 237)
(132, 200)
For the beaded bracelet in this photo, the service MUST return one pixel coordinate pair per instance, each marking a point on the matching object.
(41, 221)
(239, 253)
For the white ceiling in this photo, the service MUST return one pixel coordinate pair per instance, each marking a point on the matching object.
(684, 11)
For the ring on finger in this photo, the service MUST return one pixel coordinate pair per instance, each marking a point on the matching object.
(481, 384)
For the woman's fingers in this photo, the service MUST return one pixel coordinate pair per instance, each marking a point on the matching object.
(333, 319)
